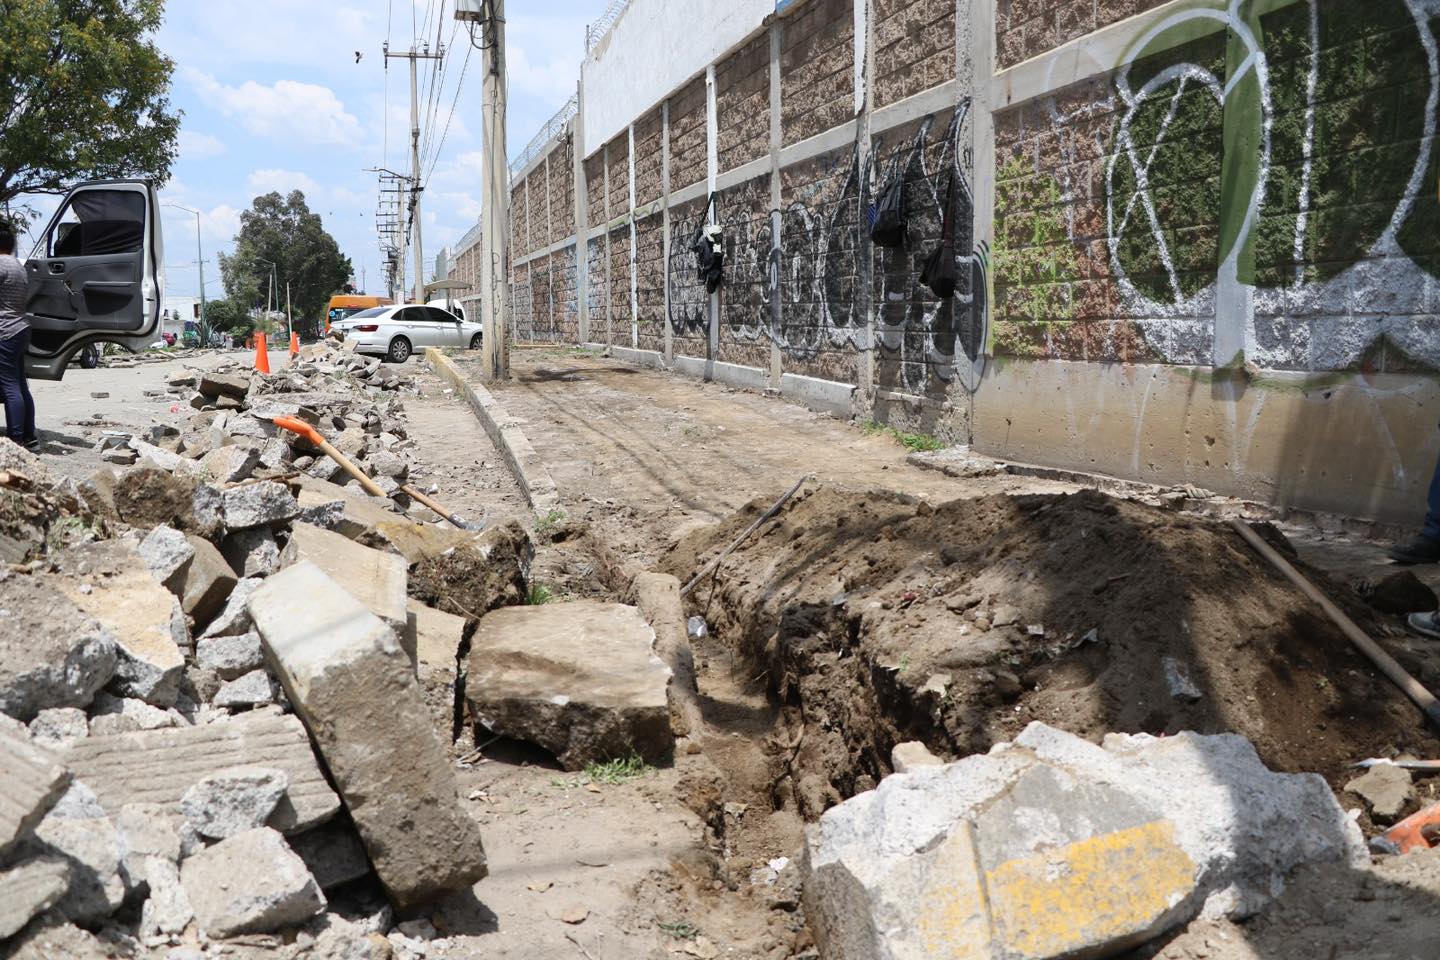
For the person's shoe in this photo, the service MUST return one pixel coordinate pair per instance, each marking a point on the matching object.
(32, 444)
(1425, 624)
(1419, 549)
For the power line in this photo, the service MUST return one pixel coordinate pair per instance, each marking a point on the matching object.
(435, 161)
(440, 97)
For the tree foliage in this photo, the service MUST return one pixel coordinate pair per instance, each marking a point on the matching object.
(86, 95)
(285, 231)
(228, 316)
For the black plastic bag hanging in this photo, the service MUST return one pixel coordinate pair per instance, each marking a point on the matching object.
(709, 249)
(887, 215)
(939, 273)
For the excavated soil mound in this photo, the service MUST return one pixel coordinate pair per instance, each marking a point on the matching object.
(883, 619)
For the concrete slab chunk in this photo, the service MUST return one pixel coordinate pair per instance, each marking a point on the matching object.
(78, 830)
(33, 780)
(259, 505)
(166, 552)
(375, 578)
(230, 657)
(52, 653)
(28, 888)
(112, 583)
(208, 582)
(158, 766)
(232, 801)
(580, 679)
(230, 896)
(351, 683)
(334, 853)
(1054, 847)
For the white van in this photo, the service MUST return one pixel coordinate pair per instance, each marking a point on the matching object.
(453, 306)
(96, 275)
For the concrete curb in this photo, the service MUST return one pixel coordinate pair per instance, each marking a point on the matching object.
(525, 464)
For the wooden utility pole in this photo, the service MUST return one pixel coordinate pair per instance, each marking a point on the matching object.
(416, 181)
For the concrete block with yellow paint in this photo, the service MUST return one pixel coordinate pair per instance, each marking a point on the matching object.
(1054, 847)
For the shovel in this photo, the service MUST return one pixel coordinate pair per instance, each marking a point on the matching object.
(301, 428)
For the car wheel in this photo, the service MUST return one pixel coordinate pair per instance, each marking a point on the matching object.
(475, 342)
(90, 356)
(399, 350)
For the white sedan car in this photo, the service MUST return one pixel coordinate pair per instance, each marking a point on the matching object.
(395, 332)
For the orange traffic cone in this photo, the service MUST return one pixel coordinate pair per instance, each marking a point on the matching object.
(294, 343)
(262, 359)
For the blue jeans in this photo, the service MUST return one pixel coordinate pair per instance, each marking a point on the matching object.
(1432, 504)
(19, 405)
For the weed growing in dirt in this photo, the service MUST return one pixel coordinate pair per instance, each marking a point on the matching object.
(546, 525)
(540, 595)
(620, 771)
(679, 929)
(915, 442)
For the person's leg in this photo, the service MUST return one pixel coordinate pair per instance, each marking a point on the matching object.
(11, 367)
(28, 421)
(1424, 548)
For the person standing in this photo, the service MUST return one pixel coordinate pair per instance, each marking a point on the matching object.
(14, 344)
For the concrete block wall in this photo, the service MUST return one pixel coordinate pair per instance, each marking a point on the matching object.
(1190, 245)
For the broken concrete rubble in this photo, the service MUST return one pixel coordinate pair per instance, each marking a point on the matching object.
(78, 830)
(234, 619)
(208, 582)
(333, 853)
(253, 552)
(230, 657)
(658, 597)
(230, 897)
(579, 679)
(28, 888)
(254, 689)
(167, 553)
(111, 582)
(232, 801)
(33, 781)
(1386, 788)
(1053, 847)
(262, 504)
(376, 579)
(159, 766)
(348, 679)
(52, 653)
(59, 727)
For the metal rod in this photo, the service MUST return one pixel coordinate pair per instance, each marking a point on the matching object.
(774, 509)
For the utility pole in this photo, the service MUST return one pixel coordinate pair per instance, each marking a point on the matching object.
(289, 321)
(200, 262)
(416, 186)
(489, 15)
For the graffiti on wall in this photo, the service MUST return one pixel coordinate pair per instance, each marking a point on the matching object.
(1263, 169)
(925, 343)
(807, 257)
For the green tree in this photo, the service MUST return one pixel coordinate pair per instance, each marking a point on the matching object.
(228, 316)
(284, 231)
(86, 95)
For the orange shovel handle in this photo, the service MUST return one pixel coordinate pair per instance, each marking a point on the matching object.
(296, 425)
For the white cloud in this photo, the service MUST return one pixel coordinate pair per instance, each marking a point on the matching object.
(281, 181)
(197, 146)
(287, 110)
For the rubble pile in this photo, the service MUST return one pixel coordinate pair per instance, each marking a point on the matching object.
(213, 721)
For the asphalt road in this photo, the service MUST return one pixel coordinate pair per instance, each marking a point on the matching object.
(69, 417)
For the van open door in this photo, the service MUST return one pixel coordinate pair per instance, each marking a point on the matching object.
(96, 274)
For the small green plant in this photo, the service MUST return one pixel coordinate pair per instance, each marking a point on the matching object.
(546, 525)
(619, 771)
(904, 663)
(679, 929)
(914, 442)
(539, 595)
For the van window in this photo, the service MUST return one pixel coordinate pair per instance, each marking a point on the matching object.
(99, 223)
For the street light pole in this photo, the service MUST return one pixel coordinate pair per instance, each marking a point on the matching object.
(494, 260)
(199, 261)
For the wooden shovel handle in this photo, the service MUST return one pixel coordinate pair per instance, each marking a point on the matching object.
(310, 433)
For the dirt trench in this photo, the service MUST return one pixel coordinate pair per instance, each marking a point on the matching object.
(875, 618)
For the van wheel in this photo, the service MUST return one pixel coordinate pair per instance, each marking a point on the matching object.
(475, 342)
(399, 350)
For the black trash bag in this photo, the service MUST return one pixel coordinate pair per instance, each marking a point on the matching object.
(709, 249)
(939, 272)
(887, 215)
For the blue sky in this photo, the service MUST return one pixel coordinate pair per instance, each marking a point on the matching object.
(274, 100)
